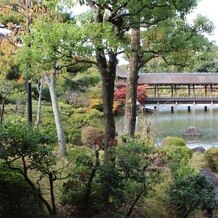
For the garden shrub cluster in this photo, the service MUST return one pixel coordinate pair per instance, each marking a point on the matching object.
(139, 180)
(211, 156)
(191, 192)
(90, 136)
(109, 189)
(17, 199)
(169, 141)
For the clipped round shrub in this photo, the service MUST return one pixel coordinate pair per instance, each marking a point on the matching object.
(90, 135)
(17, 199)
(176, 141)
(178, 153)
(211, 156)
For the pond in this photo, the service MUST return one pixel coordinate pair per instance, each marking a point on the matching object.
(164, 123)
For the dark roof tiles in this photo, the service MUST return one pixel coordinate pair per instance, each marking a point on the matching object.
(173, 78)
(178, 78)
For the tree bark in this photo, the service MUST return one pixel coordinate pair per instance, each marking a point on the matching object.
(29, 102)
(107, 68)
(2, 110)
(38, 114)
(51, 182)
(60, 132)
(131, 84)
(108, 72)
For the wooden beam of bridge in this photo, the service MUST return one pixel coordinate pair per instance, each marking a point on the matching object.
(162, 100)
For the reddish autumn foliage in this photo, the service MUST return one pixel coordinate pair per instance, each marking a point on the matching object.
(120, 93)
(141, 93)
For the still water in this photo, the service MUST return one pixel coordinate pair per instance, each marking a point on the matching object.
(163, 123)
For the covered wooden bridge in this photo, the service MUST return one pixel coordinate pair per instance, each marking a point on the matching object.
(181, 88)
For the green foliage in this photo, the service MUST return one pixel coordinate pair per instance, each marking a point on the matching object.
(90, 78)
(211, 157)
(17, 199)
(27, 145)
(179, 156)
(73, 191)
(191, 192)
(169, 141)
(112, 187)
(177, 153)
(24, 149)
(74, 119)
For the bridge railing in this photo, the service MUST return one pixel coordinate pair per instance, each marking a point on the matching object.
(181, 100)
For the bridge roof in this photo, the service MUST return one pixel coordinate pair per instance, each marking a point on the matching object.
(178, 78)
(173, 78)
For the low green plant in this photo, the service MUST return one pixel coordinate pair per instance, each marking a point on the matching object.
(24, 149)
(178, 153)
(191, 192)
(179, 156)
(110, 188)
(211, 157)
(169, 141)
(17, 198)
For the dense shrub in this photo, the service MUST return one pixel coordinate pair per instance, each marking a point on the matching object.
(211, 156)
(96, 103)
(177, 153)
(191, 192)
(88, 80)
(168, 141)
(105, 189)
(17, 199)
(26, 149)
(90, 135)
(179, 156)
(176, 150)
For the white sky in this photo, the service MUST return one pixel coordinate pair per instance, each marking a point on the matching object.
(209, 9)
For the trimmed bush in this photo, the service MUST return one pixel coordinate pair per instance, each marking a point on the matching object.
(176, 141)
(176, 150)
(211, 156)
(90, 135)
(177, 153)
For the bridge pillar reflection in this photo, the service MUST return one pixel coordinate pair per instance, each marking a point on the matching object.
(189, 108)
(172, 109)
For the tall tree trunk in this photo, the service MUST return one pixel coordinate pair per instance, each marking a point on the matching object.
(108, 71)
(29, 102)
(51, 182)
(38, 114)
(2, 110)
(131, 84)
(60, 132)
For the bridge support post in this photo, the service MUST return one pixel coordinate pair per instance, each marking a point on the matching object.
(172, 109)
(189, 108)
(205, 108)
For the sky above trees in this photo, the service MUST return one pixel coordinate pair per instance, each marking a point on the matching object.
(208, 8)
